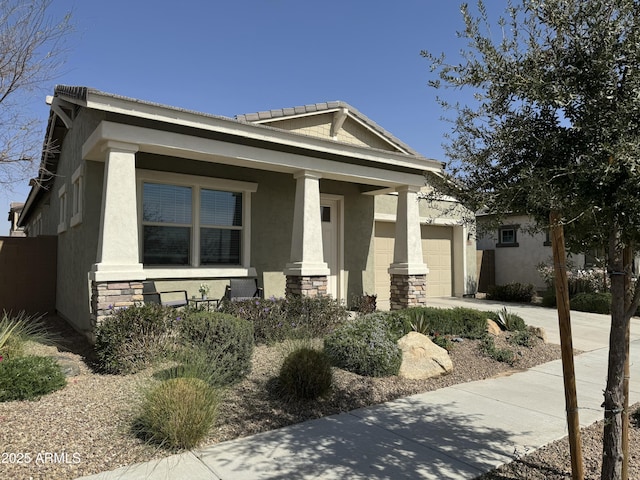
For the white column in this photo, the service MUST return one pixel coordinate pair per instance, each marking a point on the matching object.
(407, 253)
(307, 258)
(118, 257)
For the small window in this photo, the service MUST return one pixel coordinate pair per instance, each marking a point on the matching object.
(507, 236)
(62, 196)
(76, 197)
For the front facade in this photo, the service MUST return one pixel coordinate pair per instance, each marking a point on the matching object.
(314, 200)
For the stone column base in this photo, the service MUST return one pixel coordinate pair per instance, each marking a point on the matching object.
(306, 285)
(408, 291)
(108, 296)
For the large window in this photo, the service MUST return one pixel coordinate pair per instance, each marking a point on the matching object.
(194, 225)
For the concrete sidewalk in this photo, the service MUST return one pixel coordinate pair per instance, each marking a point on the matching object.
(458, 432)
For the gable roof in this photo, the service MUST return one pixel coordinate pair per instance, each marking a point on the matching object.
(273, 116)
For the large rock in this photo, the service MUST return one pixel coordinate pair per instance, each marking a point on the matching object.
(421, 358)
(493, 328)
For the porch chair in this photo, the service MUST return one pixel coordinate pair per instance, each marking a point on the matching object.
(242, 289)
(168, 298)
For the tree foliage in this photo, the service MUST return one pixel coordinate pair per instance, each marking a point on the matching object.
(554, 125)
(31, 48)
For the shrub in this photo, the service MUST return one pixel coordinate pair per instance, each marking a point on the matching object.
(443, 342)
(277, 319)
(549, 298)
(507, 320)
(364, 346)
(592, 302)
(461, 322)
(305, 374)
(16, 330)
(219, 340)
(523, 338)
(488, 348)
(178, 413)
(134, 338)
(30, 377)
(511, 292)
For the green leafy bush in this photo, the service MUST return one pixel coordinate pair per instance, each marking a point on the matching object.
(512, 292)
(488, 348)
(30, 377)
(178, 413)
(133, 338)
(549, 299)
(592, 302)
(443, 342)
(365, 346)
(461, 322)
(523, 338)
(278, 319)
(305, 374)
(219, 340)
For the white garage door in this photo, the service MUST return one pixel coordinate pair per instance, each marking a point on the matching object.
(436, 249)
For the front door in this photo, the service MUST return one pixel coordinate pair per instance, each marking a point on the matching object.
(330, 216)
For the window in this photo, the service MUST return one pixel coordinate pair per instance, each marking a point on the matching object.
(62, 197)
(507, 236)
(201, 224)
(167, 218)
(76, 197)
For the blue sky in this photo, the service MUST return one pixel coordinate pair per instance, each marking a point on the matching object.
(234, 57)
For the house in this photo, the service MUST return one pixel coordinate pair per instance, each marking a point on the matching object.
(514, 252)
(15, 209)
(311, 200)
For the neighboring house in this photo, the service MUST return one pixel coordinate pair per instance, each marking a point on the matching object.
(15, 209)
(310, 200)
(517, 252)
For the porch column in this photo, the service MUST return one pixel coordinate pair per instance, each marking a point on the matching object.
(117, 274)
(408, 270)
(307, 271)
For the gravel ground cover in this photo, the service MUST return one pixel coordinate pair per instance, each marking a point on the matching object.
(85, 427)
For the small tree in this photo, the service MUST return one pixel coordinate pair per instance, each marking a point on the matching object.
(31, 47)
(554, 127)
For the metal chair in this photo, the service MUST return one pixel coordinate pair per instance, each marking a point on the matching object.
(242, 289)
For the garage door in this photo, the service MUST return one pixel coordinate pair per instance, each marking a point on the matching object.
(437, 252)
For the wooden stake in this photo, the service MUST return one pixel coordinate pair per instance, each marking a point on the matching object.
(627, 259)
(566, 344)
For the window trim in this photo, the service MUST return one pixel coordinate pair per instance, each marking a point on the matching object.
(77, 187)
(197, 183)
(62, 199)
(503, 228)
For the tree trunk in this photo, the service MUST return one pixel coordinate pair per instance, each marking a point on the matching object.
(612, 453)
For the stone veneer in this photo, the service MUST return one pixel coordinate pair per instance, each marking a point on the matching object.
(306, 286)
(408, 291)
(107, 296)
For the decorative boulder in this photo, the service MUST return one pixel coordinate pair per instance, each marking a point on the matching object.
(493, 328)
(421, 358)
(538, 332)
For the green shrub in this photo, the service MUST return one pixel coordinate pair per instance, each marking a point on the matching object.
(30, 377)
(364, 346)
(305, 374)
(511, 292)
(178, 413)
(523, 338)
(549, 299)
(18, 329)
(443, 342)
(592, 302)
(461, 322)
(507, 320)
(488, 348)
(278, 319)
(133, 338)
(219, 340)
